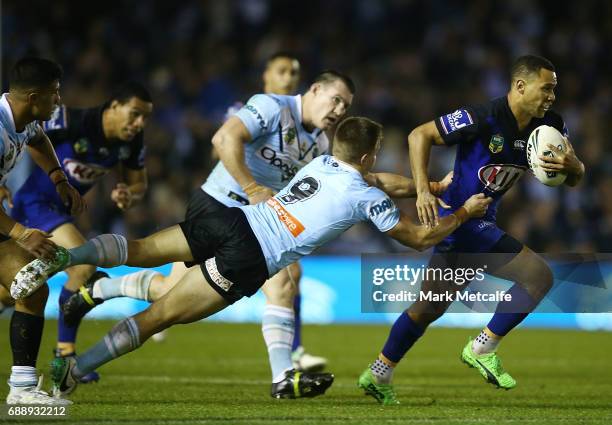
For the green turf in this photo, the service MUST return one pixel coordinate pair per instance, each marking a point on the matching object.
(218, 373)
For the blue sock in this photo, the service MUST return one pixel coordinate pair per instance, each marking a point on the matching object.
(403, 335)
(65, 333)
(509, 314)
(123, 338)
(297, 337)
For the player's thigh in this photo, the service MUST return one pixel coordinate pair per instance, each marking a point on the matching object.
(68, 236)
(166, 246)
(5, 297)
(191, 299)
(281, 289)
(528, 269)
(179, 269)
(12, 258)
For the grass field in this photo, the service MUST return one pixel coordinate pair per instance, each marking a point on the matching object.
(218, 373)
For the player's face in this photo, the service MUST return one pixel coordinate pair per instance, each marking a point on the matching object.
(330, 103)
(45, 101)
(282, 76)
(131, 117)
(539, 93)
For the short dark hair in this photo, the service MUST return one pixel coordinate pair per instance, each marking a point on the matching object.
(34, 73)
(357, 136)
(330, 75)
(528, 65)
(131, 89)
(281, 54)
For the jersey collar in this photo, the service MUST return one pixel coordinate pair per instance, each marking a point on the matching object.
(5, 105)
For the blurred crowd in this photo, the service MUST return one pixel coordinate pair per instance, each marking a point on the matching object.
(411, 60)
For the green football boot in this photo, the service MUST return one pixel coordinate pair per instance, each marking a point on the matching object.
(383, 393)
(490, 367)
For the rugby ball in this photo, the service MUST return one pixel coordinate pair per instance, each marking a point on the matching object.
(538, 145)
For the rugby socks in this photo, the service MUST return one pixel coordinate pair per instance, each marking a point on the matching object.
(382, 370)
(25, 336)
(404, 333)
(297, 329)
(134, 285)
(509, 314)
(123, 338)
(277, 326)
(105, 250)
(65, 333)
(486, 342)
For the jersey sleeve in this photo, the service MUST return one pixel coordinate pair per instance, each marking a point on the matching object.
(261, 115)
(377, 207)
(460, 126)
(58, 127)
(557, 122)
(136, 160)
(35, 132)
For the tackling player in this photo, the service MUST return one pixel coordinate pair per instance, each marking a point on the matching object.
(33, 96)
(238, 249)
(89, 143)
(491, 140)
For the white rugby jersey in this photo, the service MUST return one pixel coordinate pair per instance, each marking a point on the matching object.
(12, 143)
(324, 199)
(280, 146)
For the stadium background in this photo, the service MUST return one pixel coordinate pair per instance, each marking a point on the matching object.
(411, 60)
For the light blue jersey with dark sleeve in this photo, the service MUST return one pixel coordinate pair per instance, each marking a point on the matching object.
(324, 199)
(280, 146)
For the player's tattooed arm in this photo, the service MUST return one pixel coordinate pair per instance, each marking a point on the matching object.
(420, 141)
(398, 186)
(565, 162)
(423, 237)
(229, 143)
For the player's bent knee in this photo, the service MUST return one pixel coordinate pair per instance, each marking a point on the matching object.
(35, 303)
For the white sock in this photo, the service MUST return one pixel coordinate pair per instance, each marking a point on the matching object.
(277, 325)
(382, 371)
(485, 343)
(23, 376)
(134, 285)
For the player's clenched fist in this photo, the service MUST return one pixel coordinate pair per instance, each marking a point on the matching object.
(70, 197)
(122, 196)
(476, 205)
(35, 241)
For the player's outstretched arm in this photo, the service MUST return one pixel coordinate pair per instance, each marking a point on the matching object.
(420, 141)
(423, 237)
(398, 186)
(229, 142)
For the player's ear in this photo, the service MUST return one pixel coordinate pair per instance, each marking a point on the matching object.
(114, 104)
(32, 97)
(520, 86)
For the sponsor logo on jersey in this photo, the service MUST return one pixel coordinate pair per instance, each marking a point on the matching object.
(103, 151)
(81, 146)
(216, 276)
(519, 145)
(82, 172)
(124, 152)
(260, 119)
(380, 207)
(500, 177)
(496, 144)
(287, 170)
(456, 120)
(291, 223)
(290, 136)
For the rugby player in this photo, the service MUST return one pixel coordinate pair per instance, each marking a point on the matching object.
(33, 96)
(89, 143)
(491, 140)
(261, 147)
(238, 249)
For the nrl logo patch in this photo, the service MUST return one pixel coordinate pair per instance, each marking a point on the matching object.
(289, 136)
(81, 146)
(496, 144)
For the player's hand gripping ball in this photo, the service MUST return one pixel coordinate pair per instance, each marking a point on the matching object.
(538, 145)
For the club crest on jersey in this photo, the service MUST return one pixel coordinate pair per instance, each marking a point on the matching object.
(496, 144)
(456, 120)
(81, 146)
(500, 177)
